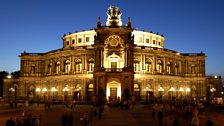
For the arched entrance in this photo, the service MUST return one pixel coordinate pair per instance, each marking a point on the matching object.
(113, 90)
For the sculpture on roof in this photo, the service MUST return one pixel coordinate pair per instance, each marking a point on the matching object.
(114, 16)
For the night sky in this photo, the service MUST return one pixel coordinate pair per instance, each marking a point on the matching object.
(190, 26)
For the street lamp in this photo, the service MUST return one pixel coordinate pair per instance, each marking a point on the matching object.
(53, 89)
(181, 91)
(11, 90)
(65, 90)
(172, 89)
(38, 93)
(160, 92)
(147, 89)
(212, 90)
(44, 90)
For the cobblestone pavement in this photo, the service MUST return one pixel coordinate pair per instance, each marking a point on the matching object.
(139, 115)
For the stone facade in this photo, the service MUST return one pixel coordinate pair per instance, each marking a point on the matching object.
(114, 62)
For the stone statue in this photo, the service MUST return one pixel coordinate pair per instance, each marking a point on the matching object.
(114, 16)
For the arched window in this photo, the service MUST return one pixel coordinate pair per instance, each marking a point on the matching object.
(168, 67)
(78, 65)
(136, 65)
(58, 67)
(148, 66)
(90, 65)
(176, 68)
(159, 66)
(67, 66)
(32, 69)
(49, 68)
(193, 71)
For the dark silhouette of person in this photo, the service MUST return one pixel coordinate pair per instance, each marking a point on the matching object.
(64, 118)
(10, 122)
(160, 118)
(209, 122)
(70, 119)
(175, 121)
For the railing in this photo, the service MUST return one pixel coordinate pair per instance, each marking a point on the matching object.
(113, 69)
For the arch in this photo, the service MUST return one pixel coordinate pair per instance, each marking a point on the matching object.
(176, 68)
(148, 65)
(159, 66)
(57, 66)
(90, 65)
(136, 65)
(169, 67)
(78, 65)
(67, 66)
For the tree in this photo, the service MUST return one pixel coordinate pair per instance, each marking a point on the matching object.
(3, 74)
(15, 74)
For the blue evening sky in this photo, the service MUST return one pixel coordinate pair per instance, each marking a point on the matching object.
(190, 26)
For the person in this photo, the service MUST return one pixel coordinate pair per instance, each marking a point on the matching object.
(209, 122)
(64, 118)
(160, 118)
(10, 122)
(195, 121)
(175, 121)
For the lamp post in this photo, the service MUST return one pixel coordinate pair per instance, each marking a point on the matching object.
(53, 90)
(212, 90)
(181, 92)
(44, 90)
(188, 90)
(171, 91)
(147, 89)
(38, 93)
(65, 90)
(160, 92)
(11, 91)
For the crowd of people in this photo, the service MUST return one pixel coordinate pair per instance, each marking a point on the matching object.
(28, 118)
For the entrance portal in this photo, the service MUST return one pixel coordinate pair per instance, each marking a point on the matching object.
(113, 90)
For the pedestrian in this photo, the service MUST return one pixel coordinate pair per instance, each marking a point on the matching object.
(70, 118)
(10, 122)
(153, 113)
(195, 121)
(160, 118)
(64, 118)
(209, 122)
(175, 121)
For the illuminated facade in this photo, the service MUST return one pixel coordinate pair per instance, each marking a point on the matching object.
(113, 61)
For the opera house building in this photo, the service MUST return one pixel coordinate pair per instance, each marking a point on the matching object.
(112, 61)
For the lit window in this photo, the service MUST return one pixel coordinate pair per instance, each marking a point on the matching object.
(87, 39)
(148, 66)
(136, 66)
(73, 41)
(90, 65)
(78, 65)
(57, 67)
(168, 68)
(154, 42)
(140, 39)
(159, 66)
(147, 40)
(67, 66)
(79, 40)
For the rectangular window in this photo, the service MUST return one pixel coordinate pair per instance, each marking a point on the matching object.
(159, 43)
(67, 42)
(147, 40)
(154, 42)
(140, 39)
(73, 41)
(87, 39)
(79, 40)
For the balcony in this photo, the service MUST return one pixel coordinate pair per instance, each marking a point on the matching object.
(113, 69)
